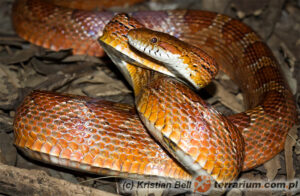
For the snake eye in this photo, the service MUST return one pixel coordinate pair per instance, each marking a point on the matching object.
(153, 40)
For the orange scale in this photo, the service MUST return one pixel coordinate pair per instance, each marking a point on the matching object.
(141, 145)
(36, 129)
(17, 139)
(76, 156)
(110, 147)
(195, 143)
(215, 172)
(212, 150)
(228, 164)
(29, 139)
(152, 154)
(68, 125)
(115, 155)
(222, 175)
(73, 146)
(63, 118)
(52, 141)
(135, 151)
(94, 131)
(220, 158)
(88, 158)
(116, 165)
(193, 151)
(54, 116)
(104, 154)
(176, 126)
(98, 161)
(47, 106)
(202, 157)
(135, 167)
(41, 124)
(153, 117)
(48, 120)
(84, 148)
(67, 42)
(130, 158)
(123, 157)
(52, 126)
(56, 150)
(42, 138)
(32, 122)
(139, 159)
(56, 134)
(106, 139)
(203, 135)
(108, 162)
(72, 131)
(63, 143)
(183, 145)
(126, 166)
(62, 129)
(175, 136)
(46, 147)
(78, 140)
(94, 151)
(116, 142)
(22, 141)
(148, 169)
(142, 168)
(209, 166)
(46, 131)
(160, 121)
(33, 135)
(184, 126)
(90, 142)
(67, 137)
(173, 171)
(168, 167)
(100, 145)
(192, 125)
(204, 143)
(28, 127)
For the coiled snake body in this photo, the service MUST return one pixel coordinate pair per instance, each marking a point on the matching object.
(109, 138)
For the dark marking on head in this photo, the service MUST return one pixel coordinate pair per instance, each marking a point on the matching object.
(123, 25)
(133, 26)
(208, 69)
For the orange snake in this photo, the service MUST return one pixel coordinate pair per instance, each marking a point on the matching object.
(109, 138)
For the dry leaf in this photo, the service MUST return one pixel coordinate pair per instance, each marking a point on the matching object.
(288, 152)
(19, 56)
(272, 166)
(228, 99)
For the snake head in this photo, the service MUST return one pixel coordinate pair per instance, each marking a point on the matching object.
(185, 61)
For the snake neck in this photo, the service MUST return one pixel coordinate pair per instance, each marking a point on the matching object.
(137, 77)
(140, 78)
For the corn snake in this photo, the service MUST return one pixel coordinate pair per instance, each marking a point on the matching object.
(247, 60)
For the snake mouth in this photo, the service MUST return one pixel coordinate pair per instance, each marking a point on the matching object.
(118, 56)
(122, 60)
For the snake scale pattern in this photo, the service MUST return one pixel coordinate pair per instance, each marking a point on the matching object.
(109, 138)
